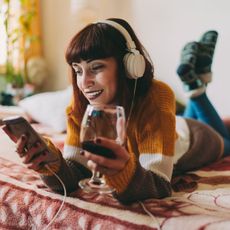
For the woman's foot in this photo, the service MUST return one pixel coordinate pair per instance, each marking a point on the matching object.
(206, 49)
(186, 70)
(196, 61)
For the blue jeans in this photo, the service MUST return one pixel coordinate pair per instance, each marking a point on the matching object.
(201, 109)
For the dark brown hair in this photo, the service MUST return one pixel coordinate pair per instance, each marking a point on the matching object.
(98, 41)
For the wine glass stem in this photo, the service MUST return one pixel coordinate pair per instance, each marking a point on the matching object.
(96, 177)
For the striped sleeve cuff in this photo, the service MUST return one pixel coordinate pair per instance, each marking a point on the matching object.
(121, 180)
(158, 163)
(73, 153)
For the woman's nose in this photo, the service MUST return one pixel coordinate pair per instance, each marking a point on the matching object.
(87, 80)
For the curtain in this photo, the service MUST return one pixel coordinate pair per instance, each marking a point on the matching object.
(23, 31)
(32, 32)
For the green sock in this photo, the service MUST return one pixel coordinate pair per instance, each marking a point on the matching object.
(206, 48)
(186, 69)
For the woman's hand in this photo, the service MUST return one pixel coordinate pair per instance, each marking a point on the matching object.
(35, 157)
(106, 165)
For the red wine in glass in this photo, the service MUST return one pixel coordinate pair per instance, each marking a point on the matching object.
(92, 147)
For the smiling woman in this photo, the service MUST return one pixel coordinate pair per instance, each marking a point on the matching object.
(110, 66)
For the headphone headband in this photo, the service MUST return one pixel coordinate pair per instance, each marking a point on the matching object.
(129, 41)
(134, 62)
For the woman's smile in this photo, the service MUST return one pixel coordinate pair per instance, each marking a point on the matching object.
(92, 95)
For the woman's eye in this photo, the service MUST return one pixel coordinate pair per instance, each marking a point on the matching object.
(78, 72)
(97, 67)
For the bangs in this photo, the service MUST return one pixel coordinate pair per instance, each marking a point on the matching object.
(95, 42)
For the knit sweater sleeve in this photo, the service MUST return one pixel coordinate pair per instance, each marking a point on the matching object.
(72, 165)
(152, 138)
(157, 134)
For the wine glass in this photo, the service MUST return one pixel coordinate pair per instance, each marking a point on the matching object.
(101, 121)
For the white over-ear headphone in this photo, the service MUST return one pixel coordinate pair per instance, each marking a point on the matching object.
(134, 62)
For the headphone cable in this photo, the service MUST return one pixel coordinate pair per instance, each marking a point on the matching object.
(63, 201)
(132, 103)
(150, 215)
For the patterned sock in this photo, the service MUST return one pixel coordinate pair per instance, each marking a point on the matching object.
(204, 59)
(188, 59)
(209, 38)
(186, 69)
(206, 48)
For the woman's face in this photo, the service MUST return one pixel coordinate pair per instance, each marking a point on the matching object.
(97, 80)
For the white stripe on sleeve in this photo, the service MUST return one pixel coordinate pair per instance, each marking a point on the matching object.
(73, 153)
(158, 163)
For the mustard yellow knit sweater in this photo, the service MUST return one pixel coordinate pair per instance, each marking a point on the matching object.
(151, 138)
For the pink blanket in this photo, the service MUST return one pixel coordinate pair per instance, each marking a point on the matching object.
(202, 201)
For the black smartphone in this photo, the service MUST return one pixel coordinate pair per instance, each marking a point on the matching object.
(19, 126)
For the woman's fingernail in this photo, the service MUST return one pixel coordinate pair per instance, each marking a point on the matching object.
(82, 152)
(98, 141)
(37, 144)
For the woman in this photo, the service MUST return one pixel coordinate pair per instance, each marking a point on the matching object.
(110, 66)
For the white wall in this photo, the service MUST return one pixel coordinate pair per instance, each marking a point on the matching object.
(61, 19)
(163, 27)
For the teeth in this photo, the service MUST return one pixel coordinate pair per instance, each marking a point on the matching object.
(93, 94)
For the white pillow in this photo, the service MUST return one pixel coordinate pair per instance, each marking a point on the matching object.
(48, 108)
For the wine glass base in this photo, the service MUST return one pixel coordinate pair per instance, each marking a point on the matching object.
(98, 186)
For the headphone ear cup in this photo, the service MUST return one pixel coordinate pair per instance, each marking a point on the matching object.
(134, 65)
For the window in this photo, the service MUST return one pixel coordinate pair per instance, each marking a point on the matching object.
(2, 40)
(10, 41)
(17, 32)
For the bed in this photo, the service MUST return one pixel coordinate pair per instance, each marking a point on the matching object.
(200, 200)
